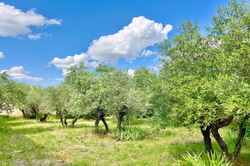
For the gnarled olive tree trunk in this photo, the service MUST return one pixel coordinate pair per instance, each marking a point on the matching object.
(121, 115)
(119, 118)
(214, 129)
(65, 120)
(43, 119)
(100, 116)
(22, 110)
(74, 121)
(61, 118)
(207, 139)
(105, 124)
(242, 132)
(98, 120)
(35, 112)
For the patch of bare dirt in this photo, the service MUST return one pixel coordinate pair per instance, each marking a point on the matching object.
(186, 140)
(19, 162)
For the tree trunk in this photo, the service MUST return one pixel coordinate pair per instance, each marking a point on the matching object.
(65, 120)
(44, 118)
(242, 131)
(106, 125)
(23, 113)
(35, 113)
(222, 144)
(74, 121)
(207, 139)
(61, 119)
(97, 121)
(119, 119)
(65, 117)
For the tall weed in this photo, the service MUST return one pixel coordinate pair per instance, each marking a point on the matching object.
(128, 133)
(201, 159)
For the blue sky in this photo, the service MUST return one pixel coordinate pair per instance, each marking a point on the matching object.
(40, 39)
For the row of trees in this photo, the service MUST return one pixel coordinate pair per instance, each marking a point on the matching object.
(106, 91)
(204, 81)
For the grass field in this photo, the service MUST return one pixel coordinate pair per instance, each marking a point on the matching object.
(25, 142)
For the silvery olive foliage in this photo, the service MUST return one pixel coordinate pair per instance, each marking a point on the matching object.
(12, 93)
(205, 78)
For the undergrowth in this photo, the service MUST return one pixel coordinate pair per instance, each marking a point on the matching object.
(128, 133)
(202, 159)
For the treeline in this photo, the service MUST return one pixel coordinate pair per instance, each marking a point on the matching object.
(106, 91)
(204, 80)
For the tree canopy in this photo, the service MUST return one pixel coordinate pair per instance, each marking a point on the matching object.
(206, 76)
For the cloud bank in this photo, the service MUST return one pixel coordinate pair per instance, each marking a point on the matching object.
(14, 22)
(126, 43)
(19, 73)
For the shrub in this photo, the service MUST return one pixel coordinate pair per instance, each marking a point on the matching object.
(202, 159)
(128, 133)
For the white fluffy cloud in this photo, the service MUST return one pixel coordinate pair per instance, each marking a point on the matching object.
(19, 73)
(127, 43)
(1, 55)
(65, 63)
(147, 53)
(14, 22)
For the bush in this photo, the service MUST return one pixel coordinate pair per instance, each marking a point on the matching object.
(202, 159)
(128, 133)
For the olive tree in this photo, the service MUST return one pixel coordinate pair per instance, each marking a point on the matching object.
(123, 98)
(34, 100)
(206, 77)
(231, 25)
(22, 98)
(54, 100)
(5, 93)
(144, 80)
(97, 95)
(79, 80)
(11, 93)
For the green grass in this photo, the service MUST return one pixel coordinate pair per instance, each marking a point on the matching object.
(25, 142)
